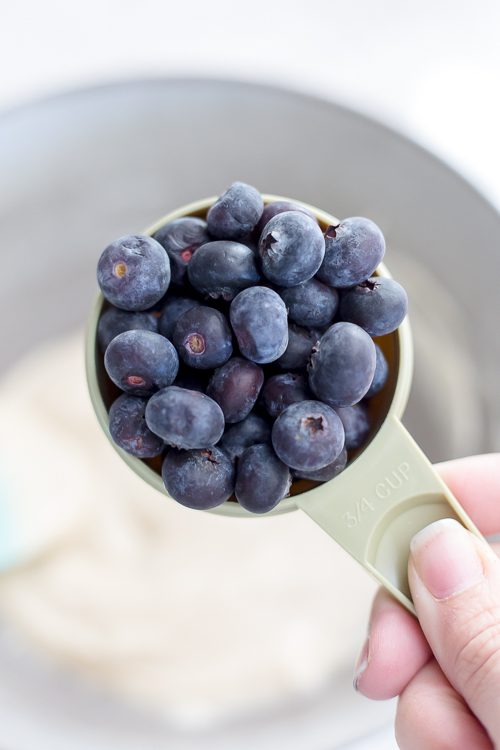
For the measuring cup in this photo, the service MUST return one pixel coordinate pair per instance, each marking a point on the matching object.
(388, 490)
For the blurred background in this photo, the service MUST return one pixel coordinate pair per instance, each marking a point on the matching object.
(112, 114)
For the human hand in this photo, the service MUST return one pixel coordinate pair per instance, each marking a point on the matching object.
(445, 666)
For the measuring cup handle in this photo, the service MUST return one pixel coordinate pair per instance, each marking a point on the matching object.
(376, 505)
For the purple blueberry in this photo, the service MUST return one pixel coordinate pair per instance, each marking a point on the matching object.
(141, 362)
(262, 480)
(356, 421)
(279, 207)
(299, 348)
(173, 309)
(202, 337)
(199, 479)
(235, 387)
(308, 435)
(342, 365)
(259, 320)
(291, 248)
(327, 472)
(223, 268)
(181, 238)
(280, 391)
(185, 419)
(381, 373)
(378, 305)
(311, 304)
(129, 430)
(133, 272)
(353, 250)
(114, 321)
(235, 213)
(240, 436)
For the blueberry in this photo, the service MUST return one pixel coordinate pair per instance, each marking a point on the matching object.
(141, 362)
(235, 387)
(203, 338)
(298, 351)
(240, 436)
(262, 480)
(259, 320)
(378, 305)
(199, 479)
(185, 419)
(279, 207)
(235, 213)
(356, 421)
(191, 379)
(291, 248)
(173, 309)
(381, 373)
(181, 238)
(280, 391)
(223, 268)
(308, 435)
(129, 430)
(133, 272)
(353, 250)
(327, 472)
(311, 304)
(342, 365)
(114, 321)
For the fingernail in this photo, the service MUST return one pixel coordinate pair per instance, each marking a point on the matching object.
(445, 558)
(361, 662)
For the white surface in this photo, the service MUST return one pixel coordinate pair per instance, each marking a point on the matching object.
(430, 68)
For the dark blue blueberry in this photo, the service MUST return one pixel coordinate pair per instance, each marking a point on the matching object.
(223, 268)
(199, 479)
(353, 250)
(129, 430)
(378, 305)
(235, 387)
(240, 436)
(235, 213)
(181, 238)
(192, 380)
(172, 311)
(311, 304)
(291, 248)
(133, 272)
(114, 321)
(279, 207)
(356, 421)
(308, 435)
(299, 348)
(381, 373)
(342, 365)
(262, 480)
(141, 362)
(327, 472)
(280, 391)
(259, 320)
(203, 338)
(185, 419)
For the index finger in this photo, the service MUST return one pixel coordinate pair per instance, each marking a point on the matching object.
(475, 482)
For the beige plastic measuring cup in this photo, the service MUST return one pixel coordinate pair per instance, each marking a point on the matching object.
(387, 492)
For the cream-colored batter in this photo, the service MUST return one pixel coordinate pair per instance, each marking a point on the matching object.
(195, 615)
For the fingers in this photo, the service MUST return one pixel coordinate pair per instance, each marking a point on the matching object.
(455, 583)
(475, 482)
(432, 716)
(395, 651)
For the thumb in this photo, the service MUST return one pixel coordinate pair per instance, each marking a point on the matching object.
(455, 583)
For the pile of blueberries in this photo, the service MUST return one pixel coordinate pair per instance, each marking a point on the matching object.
(243, 346)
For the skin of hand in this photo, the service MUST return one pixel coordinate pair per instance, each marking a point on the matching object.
(445, 666)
